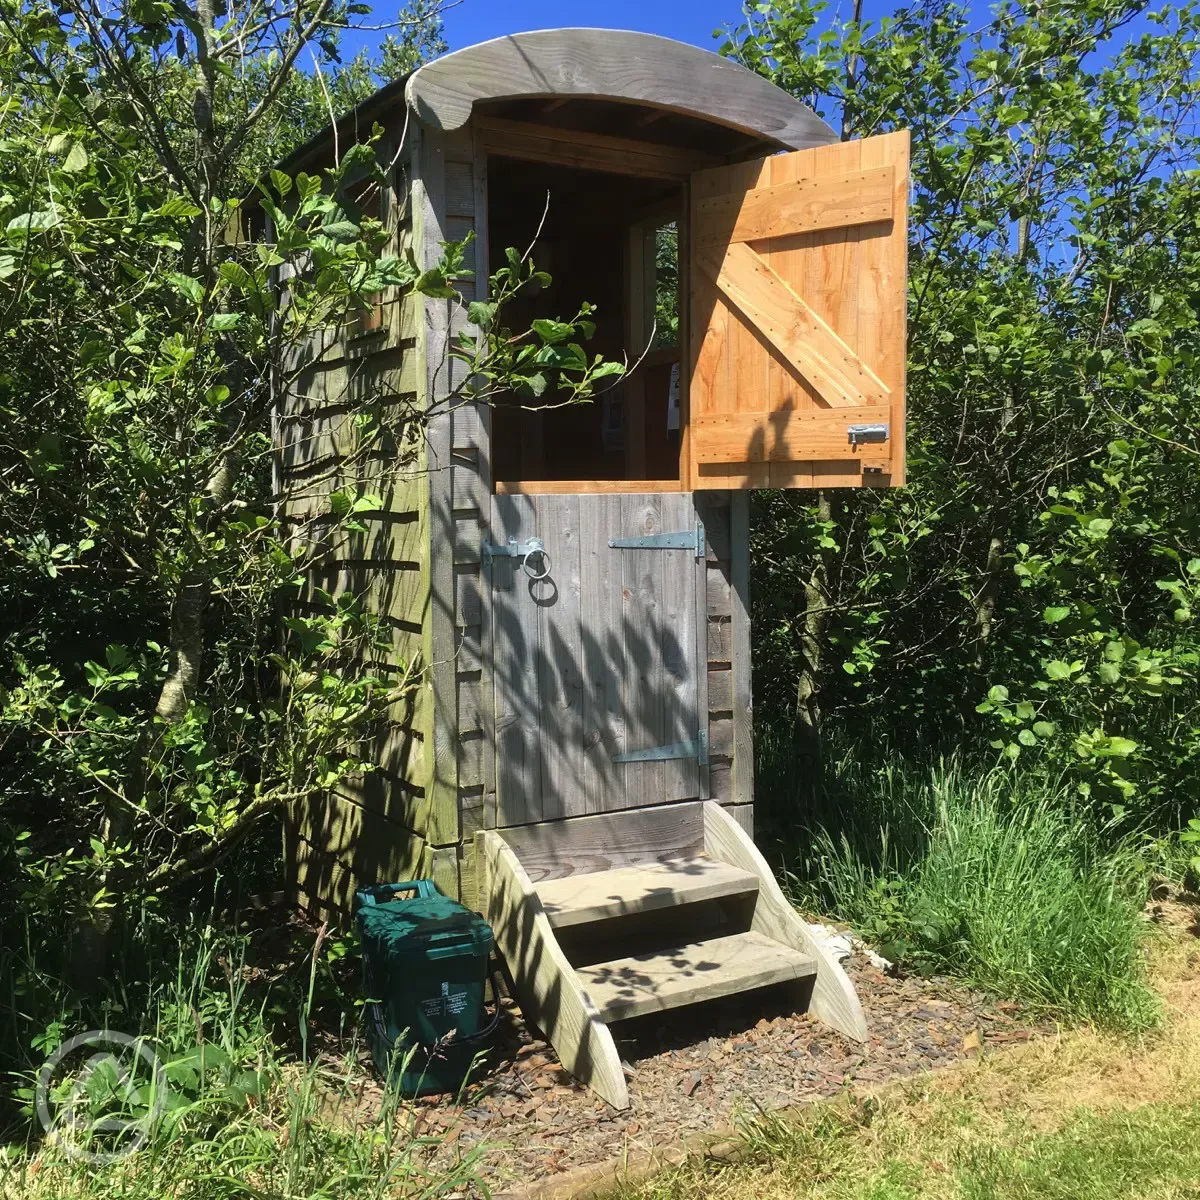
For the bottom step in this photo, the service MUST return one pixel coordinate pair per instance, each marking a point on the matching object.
(643, 983)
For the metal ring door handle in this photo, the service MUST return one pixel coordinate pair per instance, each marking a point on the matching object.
(529, 571)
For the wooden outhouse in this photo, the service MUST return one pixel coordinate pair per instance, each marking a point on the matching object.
(569, 585)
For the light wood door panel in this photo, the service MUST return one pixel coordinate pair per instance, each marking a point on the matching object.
(797, 318)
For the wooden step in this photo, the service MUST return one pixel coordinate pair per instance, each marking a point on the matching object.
(629, 987)
(578, 899)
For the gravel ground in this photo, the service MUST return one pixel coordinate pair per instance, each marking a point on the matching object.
(696, 1070)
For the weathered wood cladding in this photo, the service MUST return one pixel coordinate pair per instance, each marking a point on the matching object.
(335, 843)
(599, 658)
(372, 826)
(449, 206)
(727, 651)
(398, 316)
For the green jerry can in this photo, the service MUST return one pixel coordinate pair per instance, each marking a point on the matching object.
(425, 963)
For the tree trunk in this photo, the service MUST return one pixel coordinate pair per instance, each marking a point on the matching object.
(94, 935)
(985, 601)
(806, 728)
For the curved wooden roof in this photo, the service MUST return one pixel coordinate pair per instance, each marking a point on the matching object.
(613, 64)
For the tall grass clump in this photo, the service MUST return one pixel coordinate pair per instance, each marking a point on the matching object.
(989, 875)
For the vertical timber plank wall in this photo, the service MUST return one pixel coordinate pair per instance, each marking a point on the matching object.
(429, 187)
(466, 212)
(726, 518)
(371, 827)
(452, 205)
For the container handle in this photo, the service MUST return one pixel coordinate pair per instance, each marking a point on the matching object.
(490, 1028)
(423, 888)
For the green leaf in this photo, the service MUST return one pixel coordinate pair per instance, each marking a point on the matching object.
(1055, 614)
(234, 274)
(1044, 729)
(1115, 747)
(345, 504)
(480, 312)
(139, 447)
(360, 155)
(188, 287)
(1057, 669)
(201, 1058)
(221, 322)
(341, 231)
(997, 693)
(530, 386)
(77, 159)
(552, 331)
(602, 370)
(178, 206)
(37, 221)
(433, 283)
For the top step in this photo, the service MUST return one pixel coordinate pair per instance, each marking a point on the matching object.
(579, 899)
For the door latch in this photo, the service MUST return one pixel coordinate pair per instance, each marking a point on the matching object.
(532, 547)
(866, 433)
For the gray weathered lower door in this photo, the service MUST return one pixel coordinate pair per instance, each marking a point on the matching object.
(597, 659)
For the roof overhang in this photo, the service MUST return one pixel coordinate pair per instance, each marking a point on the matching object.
(612, 64)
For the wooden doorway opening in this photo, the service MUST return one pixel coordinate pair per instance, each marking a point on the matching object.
(611, 240)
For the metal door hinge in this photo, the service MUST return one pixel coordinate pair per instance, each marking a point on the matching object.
(697, 749)
(690, 540)
(866, 433)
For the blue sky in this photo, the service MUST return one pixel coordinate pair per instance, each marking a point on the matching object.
(470, 21)
(692, 21)
(687, 20)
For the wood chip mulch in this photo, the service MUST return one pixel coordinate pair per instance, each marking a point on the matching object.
(700, 1069)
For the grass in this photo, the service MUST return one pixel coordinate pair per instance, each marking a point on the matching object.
(989, 875)
(306, 1138)
(1087, 1116)
(254, 1110)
